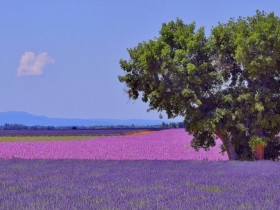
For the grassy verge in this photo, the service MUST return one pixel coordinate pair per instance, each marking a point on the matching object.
(44, 138)
(61, 138)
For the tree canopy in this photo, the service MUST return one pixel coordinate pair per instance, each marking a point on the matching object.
(225, 85)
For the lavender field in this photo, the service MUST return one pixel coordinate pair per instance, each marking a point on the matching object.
(148, 170)
(84, 184)
(171, 144)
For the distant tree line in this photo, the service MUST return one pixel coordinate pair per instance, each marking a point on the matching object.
(7, 126)
(172, 125)
(39, 127)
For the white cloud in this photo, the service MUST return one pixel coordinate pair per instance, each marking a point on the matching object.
(33, 65)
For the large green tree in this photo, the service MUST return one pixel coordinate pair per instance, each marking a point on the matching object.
(225, 85)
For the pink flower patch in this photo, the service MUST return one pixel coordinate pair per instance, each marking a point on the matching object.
(171, 144)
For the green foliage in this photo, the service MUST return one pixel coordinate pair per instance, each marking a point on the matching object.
(43, 138)
(226, 83)
(257, 140)
(272, 151)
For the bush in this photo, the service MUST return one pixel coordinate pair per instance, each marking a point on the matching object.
(272, 150)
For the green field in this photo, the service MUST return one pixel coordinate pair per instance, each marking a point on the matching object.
(43, 138)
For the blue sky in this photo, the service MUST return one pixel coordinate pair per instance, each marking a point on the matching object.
(61, 58)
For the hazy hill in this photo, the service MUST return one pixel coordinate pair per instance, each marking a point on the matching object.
(31, 120)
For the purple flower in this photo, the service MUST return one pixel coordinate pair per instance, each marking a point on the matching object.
(171, 144)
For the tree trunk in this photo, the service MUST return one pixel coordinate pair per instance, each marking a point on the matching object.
(232, 155)
(259, 153)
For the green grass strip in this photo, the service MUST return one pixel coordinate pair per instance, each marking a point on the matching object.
(44, 138)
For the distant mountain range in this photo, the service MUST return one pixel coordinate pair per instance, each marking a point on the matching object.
(32, 120)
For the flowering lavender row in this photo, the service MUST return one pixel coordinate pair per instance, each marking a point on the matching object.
(171, 144)
(69, 132)
(82, 184)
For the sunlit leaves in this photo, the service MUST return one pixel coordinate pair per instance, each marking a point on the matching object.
(259, 107)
